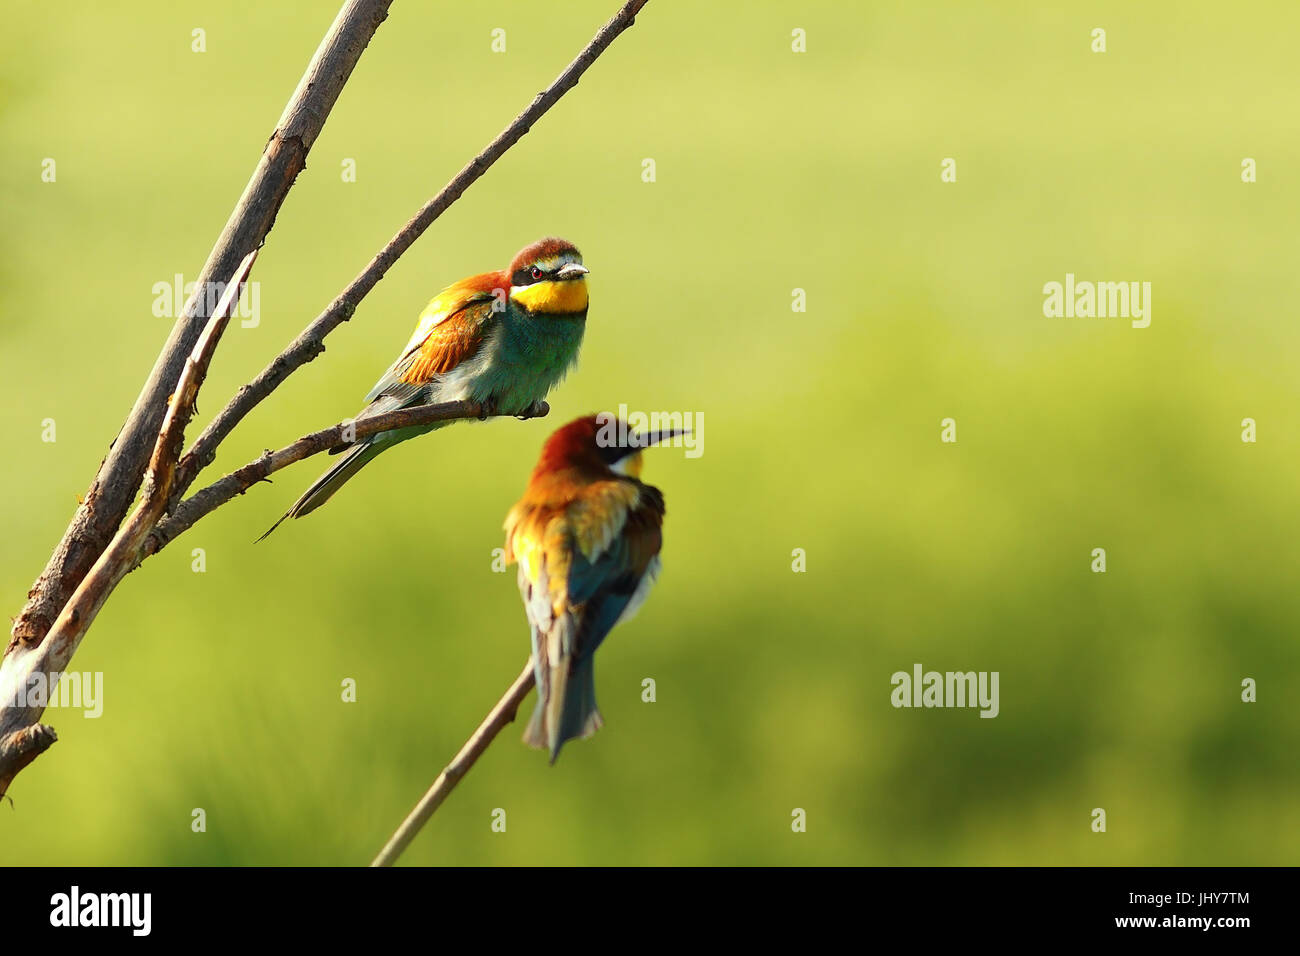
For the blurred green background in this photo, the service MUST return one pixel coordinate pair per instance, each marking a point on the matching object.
(775, 171)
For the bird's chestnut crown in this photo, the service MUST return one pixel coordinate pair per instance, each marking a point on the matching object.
(549, 277)
(600, 443)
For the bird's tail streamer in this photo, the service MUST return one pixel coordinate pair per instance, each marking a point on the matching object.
(324, 487)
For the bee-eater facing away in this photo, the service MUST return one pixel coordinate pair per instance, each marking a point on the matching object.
(500, 338)
(586, 534)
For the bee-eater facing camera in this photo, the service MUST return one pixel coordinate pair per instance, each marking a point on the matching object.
(586, 534)
(502, 339)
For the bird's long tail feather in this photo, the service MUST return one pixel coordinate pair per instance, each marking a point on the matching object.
(566, 708)
(352, 461)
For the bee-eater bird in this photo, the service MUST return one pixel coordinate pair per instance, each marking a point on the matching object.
(501, 339)
(586, 534)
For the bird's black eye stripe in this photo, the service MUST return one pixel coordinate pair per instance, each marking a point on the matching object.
(524, 276)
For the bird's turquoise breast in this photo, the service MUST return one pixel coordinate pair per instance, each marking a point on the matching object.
(533, 353)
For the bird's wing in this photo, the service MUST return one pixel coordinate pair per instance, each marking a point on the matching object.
(618, 530)
(535, 538)
(611, 531)
(451, 329)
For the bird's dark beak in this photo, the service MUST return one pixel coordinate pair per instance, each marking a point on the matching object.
(655, 438)
(571, 271)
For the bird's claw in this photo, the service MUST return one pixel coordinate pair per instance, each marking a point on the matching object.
(536, 410)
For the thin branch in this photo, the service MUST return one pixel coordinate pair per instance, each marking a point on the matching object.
(310, 343)
(500, 715)
(114, 487)
(259, 469)
(52, 655)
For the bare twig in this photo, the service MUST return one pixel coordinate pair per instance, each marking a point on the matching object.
(21, 747)
(114, 487)
(500, 715)
(310, 343)
(51, 656)
(237, 482)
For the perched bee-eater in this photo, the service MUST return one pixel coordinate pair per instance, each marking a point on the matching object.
(586, 535)
(500, 338)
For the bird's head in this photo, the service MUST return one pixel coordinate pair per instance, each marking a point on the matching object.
(598, 446)
(548, 278)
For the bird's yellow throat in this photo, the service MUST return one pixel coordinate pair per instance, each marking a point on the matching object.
(569, 295)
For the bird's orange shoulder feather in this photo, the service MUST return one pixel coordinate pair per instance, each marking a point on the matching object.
(453, 325)
(556, 521)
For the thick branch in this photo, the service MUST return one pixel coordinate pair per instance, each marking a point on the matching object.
(17, 740)
(237, 482)
(310, 343)
(500, 715)
(114, 487)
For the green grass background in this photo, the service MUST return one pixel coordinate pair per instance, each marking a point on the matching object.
(775, 171)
